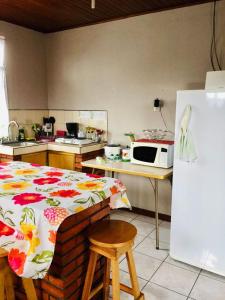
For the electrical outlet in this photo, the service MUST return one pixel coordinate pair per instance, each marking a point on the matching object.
(157, 105)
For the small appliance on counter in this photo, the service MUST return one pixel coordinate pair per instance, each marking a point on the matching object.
(72, 129)
(151, 152)
(113, 151)
(60, 133)
(48, 127)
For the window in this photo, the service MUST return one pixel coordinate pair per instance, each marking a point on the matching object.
(4, 114)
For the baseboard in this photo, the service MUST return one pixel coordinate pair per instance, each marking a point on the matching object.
(149, 213)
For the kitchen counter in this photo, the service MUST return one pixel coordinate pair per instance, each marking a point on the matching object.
(75, 149)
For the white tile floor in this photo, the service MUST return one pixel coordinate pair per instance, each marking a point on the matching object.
(161, 277)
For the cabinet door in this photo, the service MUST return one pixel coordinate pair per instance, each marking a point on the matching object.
(3, 159)
(61, 160)
(39, 158)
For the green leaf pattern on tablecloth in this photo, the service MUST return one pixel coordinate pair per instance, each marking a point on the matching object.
(44, 257)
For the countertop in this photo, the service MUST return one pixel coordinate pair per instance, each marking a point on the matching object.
(129, 168)
(76, 149)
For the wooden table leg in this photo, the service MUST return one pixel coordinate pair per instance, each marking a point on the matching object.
(2, 286)
(29, 288)
(156, 193)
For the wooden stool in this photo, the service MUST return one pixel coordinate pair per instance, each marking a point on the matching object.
(111, 238)
(6, 281)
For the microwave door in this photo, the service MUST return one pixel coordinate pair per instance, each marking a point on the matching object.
(145, 154)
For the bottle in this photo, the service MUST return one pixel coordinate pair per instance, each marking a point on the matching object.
(126, 154)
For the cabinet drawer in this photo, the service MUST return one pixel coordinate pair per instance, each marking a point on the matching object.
(39, 158)
(61, 160)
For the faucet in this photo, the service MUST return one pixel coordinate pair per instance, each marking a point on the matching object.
(9, 131)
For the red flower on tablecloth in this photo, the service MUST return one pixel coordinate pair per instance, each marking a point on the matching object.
(65, 193)
(35, 165)
(55, 215)
(27, 198)
(54, 173)
(114, 190)
(94, 176)
(5, 229)
(4, 164)
(47, 180)
(16, 260)
(6, 176)
(52, 236)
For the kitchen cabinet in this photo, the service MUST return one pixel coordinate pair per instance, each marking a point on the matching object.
(54, 158)
(4, 159)
(62, 160)
(39, 158)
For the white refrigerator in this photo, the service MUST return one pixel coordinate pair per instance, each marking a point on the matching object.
(198, 196)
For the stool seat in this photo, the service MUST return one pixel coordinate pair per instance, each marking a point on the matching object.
(112, 233)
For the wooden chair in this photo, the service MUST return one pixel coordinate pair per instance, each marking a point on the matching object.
(6, 281)
(111, 239)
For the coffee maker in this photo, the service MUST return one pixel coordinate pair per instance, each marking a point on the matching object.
(72, 129)
(48, 126)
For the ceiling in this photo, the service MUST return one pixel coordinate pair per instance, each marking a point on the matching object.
(55, 15)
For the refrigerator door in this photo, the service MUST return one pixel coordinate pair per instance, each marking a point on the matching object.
(198, 197)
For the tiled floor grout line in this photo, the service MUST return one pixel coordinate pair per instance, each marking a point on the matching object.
(194, 284)
(154, 273)
(180, 267)
(166, 288)
(140, 242)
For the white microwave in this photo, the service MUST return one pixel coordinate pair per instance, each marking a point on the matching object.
(155, 153)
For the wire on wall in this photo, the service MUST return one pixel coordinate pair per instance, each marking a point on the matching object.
(213, 49)
(163, 119)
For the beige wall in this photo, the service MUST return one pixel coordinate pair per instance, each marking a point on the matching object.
(122, 66)
(25, 67)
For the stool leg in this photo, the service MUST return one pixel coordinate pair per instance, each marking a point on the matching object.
(29, 288)
(9, 288)
(89, 275)
(106, 279)
(2, 285)
(115, 279)
(133, 274)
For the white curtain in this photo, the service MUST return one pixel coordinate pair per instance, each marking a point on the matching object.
(4, 114)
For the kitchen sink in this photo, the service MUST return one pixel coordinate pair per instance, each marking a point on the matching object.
(20, 144)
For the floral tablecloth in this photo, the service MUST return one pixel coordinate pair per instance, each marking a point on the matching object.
(34, 201)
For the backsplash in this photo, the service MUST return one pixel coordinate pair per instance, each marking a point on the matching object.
(92, 118)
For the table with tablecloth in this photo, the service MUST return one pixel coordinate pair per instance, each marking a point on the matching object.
(35, 200)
